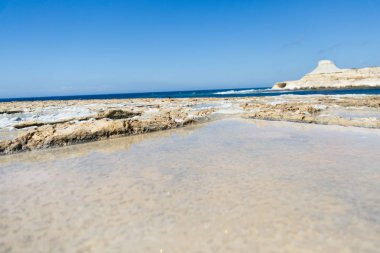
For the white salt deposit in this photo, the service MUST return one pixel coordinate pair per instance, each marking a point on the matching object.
(47, 114)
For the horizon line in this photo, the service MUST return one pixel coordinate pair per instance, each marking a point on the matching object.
(124, 93)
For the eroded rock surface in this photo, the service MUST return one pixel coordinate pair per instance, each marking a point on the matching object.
(44, 124)
(328, 76)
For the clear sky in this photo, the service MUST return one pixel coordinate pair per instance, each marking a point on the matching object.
(66, 47)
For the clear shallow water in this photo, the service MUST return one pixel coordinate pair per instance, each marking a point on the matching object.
(255, 92)
(227, 186)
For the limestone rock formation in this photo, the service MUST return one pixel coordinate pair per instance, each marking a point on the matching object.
(328, 76)
(81, 121)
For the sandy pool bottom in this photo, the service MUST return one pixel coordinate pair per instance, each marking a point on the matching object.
(228, 186)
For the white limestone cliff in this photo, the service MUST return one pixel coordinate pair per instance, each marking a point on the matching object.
(328, 76)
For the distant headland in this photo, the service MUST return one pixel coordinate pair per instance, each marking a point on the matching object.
(328, 76)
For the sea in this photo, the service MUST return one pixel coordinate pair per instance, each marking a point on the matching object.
(241, 92)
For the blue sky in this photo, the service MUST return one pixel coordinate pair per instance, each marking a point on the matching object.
(66, 47)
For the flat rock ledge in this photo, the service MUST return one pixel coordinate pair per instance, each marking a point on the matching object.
(105, 125)
(102, 119)
(304, 113)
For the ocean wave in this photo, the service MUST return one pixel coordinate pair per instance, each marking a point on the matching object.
(249, 91)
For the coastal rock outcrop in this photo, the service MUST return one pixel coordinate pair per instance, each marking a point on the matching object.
(328, 76)
(106, 124)
(47, 124)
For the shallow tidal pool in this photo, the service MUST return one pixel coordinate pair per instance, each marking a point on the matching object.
(231, 185)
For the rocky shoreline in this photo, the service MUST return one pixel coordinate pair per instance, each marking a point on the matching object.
(328, 76)
(26, 126)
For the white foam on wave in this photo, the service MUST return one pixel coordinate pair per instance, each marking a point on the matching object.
(249, 91)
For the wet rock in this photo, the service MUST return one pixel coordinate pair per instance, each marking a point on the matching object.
(140, 116)
(117, 114)
(28, 124)
(10, 111)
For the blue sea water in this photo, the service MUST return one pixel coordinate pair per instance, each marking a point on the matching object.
(244, 92)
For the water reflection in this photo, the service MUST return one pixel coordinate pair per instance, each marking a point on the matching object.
(228, 186)
(104, 146)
